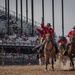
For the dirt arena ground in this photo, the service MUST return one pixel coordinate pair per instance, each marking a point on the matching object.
(31, 70)
(60, 69)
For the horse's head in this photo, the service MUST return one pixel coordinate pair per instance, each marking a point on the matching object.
(48, 45)
(48, 36)
(62, 41)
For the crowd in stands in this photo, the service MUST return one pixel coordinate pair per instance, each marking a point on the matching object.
(19, 59)
(15, 31)
(14, 39)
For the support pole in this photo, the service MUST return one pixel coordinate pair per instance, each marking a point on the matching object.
(8, 17)
(16, 10)
(32, 5)
(43, 10)
(62, 18)
(6, 7)
(53, 13)
(21, 18)
(26, 10)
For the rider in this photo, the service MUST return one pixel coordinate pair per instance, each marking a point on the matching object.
(63, 40)
(72, 32)
(51, 31)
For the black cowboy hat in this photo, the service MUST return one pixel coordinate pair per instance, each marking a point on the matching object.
(48, 24)
(74, 27)
(62, 37)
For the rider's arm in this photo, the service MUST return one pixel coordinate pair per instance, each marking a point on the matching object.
(43, 26)
(38, 46)
(39, 30)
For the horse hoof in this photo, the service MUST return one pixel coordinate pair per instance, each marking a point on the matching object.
(46, 70)
(52, 69)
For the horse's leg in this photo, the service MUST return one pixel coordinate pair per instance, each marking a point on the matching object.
(40, 59)
(46, 63)
(52, 64)
(55, 58)
(71, 59)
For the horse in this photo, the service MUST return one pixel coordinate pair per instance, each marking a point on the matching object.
(41, 53)
(49, 51)
(71, 50)
(62, 43)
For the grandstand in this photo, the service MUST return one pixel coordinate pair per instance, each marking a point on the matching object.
(15, 40)
(16, 48)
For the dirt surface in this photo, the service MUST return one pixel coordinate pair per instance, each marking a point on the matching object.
(60, 69)
(32, 70)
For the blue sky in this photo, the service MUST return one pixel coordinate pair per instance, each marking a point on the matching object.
(69, 13)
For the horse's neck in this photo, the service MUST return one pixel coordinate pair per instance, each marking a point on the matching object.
(48, 44)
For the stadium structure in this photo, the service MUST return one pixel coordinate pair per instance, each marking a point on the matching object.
(17, 34)
(16, 41)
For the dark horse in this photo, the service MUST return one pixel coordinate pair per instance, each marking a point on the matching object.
(71, 50)
(49, 51)
(62, 43)
(41, 52)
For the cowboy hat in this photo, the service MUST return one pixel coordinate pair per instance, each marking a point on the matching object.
(74, 27)
(48, 24)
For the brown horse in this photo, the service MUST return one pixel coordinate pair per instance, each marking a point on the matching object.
(62, 44)
(71, 50)
(49, 51)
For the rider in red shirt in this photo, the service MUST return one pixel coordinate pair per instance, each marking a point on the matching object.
(44, 30)
(47, 28)
(62, 40)
(72, 32)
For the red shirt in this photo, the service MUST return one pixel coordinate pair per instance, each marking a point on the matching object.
(50, 30)
(40, 31)
(70, 33)
(64, 41)
(73, 32)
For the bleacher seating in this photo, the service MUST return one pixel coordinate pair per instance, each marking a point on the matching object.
(15, 30)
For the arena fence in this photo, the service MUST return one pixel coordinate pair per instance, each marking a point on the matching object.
(18, 59)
